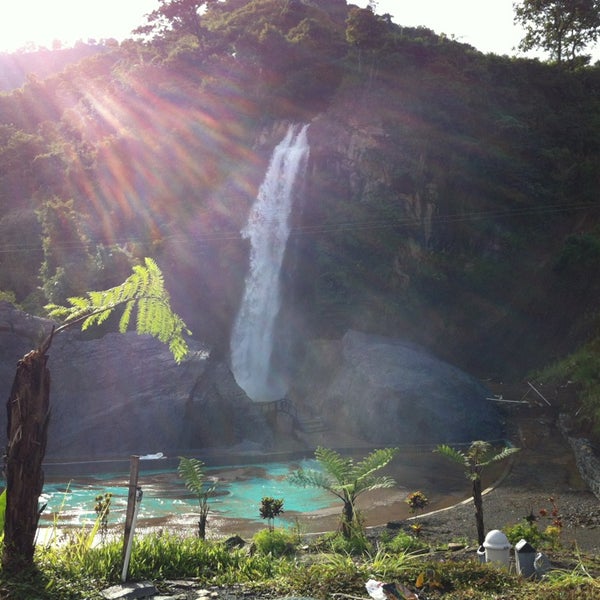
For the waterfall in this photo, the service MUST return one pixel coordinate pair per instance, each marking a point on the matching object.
(268, 231)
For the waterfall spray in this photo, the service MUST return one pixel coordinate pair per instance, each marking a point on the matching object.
(268, 231)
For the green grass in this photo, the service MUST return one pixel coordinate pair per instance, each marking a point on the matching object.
(74, 569)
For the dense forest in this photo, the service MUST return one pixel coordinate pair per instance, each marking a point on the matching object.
(451, 197)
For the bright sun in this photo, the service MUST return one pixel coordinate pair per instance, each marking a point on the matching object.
(39, 23)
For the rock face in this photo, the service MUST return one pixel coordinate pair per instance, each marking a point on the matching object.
(124, 394)
(389, 392)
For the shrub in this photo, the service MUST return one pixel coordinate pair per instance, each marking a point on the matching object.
(404, 542)
(276, 542)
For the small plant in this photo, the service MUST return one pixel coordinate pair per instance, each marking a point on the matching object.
(357, 544)
(102, 510)
(271, 542)
(417, 528)
(530, 529)
(269, 509)
(192, 472)
(417, 501)
(404, 542)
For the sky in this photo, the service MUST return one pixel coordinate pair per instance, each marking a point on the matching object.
(485, 24)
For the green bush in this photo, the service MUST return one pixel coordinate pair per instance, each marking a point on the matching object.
(356, 544)
(404, 542)
(276, 542)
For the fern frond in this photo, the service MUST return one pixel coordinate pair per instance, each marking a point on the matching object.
(334, 463)
(191, 470)
(143, 290)
(451, 453)
(373, 462)
(314, 478)
(126, 316)
(505, 453)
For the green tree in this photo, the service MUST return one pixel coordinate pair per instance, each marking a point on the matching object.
(479, 455)
(270, 508)
(346, 479)
(564, 28)
(67, 260)
(28, 406)
(178, 17)
(191, 470)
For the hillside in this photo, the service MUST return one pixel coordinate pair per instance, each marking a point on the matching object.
(450, 197)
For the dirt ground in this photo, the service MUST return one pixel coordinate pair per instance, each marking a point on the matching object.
(542, 475)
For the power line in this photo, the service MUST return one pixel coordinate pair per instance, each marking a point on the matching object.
(328, 228)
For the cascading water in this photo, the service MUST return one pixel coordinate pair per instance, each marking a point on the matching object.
(268, 230)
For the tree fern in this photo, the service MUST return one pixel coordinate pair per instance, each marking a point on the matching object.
(345, 478)
(143, 290)
(191, 470)
(479, 455)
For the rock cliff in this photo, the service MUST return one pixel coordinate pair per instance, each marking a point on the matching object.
(123, 394)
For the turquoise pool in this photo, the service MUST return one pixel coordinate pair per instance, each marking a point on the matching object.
(238, 493)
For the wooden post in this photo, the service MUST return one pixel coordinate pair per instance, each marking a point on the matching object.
(134, 469)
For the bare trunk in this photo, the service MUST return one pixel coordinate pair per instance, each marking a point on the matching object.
(478, 501)
(27, 433)
(347, 519)
(202, 527)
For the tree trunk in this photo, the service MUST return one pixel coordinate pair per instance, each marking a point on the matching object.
(347, 519)
(202, 527)
(27, 433)
(478, 501)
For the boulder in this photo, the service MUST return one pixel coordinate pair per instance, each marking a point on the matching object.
(123, 394)
(389, 392)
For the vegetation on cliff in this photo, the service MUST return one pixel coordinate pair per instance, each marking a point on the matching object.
(451, 196)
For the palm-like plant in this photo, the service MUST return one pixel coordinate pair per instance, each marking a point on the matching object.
(191, 470)
(479, 455)
(346, 479)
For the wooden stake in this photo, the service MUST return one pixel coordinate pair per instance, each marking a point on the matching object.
(134, 469)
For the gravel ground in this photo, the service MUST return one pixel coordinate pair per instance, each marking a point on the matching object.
(542, 475)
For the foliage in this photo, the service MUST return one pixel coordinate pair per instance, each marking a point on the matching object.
(346, 479)
(143, 291)
(531, 529)
(102, 510)
(540, 539)
(65, 574)
(175, 16)
(479, 455)
(562, 27)
(417, 501)
(579, 371)
(270, 508)
(355, 544)
(191, 470)
(274, 542)
(67, 266)
(404, 542)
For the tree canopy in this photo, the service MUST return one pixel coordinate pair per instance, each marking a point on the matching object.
(564, 28)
